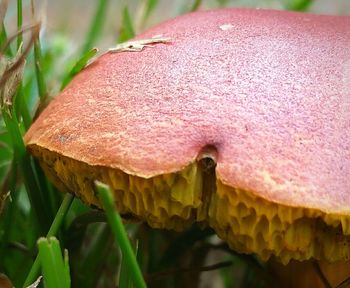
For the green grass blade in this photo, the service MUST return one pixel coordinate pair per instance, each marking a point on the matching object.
(222, 3)
(24, 162)
(125, 280)
(3, 40)
(115, 221)
(53, 198)
(56, 224)
(3, 35)
(95, 254)
(61, 213)
(196, 4)
(9, 215)
(81, 63)
(21, 106)
(40, 78)
(127, 29)
(19, 22)
(96, 25)
(299, 5)
(150, 6)
(55, 268)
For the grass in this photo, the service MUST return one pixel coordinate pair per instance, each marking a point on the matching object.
(101, 250)
(80, 64)
(120, 234)
(55, 268)
(56, 224)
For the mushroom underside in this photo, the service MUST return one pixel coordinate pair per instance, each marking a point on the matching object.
(249, 223)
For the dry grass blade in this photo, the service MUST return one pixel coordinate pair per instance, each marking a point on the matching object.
(35, 29)
(9, 87)
(11, 70)
(39, 14)
(3, 9)
(36, 283)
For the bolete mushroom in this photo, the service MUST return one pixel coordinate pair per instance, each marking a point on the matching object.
(239, 119)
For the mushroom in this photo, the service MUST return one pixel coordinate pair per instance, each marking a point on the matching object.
(240, 120)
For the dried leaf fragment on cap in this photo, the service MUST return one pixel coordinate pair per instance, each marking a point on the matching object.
(138, 45)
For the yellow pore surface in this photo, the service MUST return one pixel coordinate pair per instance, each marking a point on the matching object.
(248, 223)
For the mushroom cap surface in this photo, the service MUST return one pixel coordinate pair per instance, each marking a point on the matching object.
(267, 91)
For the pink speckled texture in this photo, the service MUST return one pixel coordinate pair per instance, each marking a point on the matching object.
(269, 89)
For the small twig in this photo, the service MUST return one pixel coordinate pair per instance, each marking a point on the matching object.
(320, 274)
(21, 247)
(172, 271)
(344, 284)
